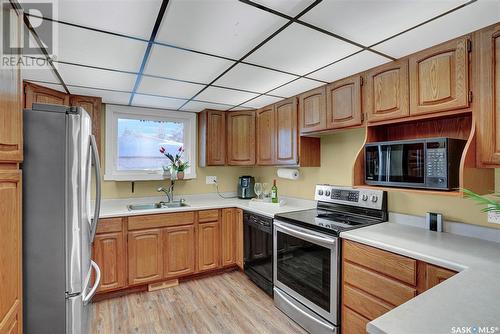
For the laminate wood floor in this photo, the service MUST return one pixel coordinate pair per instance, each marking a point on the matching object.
(225, 303)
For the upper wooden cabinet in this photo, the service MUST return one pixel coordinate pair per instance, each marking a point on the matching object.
(178, 251)
(387, 91)
(92, 106)
(488, 109)
(39, 94)
(145, 256)
(266, 139)
(312, 110)
(343, 103)
(241, 138)
(286, 132)
(439, 78)
(212, 138)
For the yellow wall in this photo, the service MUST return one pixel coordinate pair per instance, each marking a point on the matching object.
(338, 152)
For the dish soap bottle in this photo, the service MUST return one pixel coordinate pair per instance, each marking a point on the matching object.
(274, 193)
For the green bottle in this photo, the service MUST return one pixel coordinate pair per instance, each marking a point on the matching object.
(274, 193)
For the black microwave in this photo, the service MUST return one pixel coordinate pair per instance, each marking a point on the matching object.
(431, 163)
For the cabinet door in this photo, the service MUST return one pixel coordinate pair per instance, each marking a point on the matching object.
(10, 248)
(286, 132)
(229, 236)
(239, 238)
(212, 136)
(109, 253)
(93, 107)
(439, 78)
(387, 91)
(430, 276)
(241, 138)
(343, 103)
(266, 140)
(38, 94)
(178, 251)
(312, 110)
(208, 246)
(145, 256)
(489, 97)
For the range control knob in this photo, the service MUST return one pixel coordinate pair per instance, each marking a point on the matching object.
(374, 198)
(327, 193)
(320, 192)
(364, 197)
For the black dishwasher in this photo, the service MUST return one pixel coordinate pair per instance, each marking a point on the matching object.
(258, 245)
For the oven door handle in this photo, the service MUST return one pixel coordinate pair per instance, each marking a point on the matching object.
(305, 236)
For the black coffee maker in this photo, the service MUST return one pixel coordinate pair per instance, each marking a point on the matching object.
(245, 187)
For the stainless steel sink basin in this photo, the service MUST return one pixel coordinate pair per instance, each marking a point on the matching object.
(154, 206)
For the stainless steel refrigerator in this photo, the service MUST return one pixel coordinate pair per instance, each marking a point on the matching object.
(59, 223)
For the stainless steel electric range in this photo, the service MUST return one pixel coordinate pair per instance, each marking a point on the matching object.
(306, 260)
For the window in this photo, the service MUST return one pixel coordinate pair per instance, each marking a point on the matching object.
(135, 135)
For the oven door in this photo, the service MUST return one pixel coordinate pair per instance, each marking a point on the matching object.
(306, 266)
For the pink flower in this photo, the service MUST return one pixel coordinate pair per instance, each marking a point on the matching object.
(162, 149)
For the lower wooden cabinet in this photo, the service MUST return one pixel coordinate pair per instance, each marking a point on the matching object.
(430, 276)
(208, 246)
(12, 323)
(239, 238)
(145, 256)
(178, 251)
(109, 253)
(228, 236)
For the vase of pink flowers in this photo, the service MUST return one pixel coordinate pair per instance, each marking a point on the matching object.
(177, 166)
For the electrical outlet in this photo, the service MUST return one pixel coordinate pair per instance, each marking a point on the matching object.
(211, 179)
(494, 217)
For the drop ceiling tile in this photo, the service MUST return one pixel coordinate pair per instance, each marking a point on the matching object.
(368, 22)
(157, 102)
(224, 96)
(298, 86)
(168, 88)
(198, 106)
(49, 85)
(184, 65)
(288, 7)
(224, 27)
(106, 95)
(352, 65)
(42, 72)
(91, 77)
(82, 46)
(253, 78)
(299, 49)
(261, 101)
(465, 20)
(111, 15)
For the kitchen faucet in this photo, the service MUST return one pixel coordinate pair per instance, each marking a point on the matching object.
(169, 192)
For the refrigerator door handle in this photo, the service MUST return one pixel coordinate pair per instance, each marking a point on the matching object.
(97, 169)
(87, 297)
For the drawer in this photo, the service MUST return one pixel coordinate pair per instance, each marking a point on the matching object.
(385, 288)
(161, 220)
(352, 322)
(390, 264)
(107, 225)
(363, 303)
(206, 216)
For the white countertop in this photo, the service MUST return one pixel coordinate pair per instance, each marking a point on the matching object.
(118, 207)
(470, 299)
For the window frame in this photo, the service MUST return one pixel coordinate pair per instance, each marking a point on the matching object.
(113, 112)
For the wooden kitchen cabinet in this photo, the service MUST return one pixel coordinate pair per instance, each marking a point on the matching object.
(38, 94)
(265, 134)
(239, 238)
(241, 138)
(212, 138)
(229, 236)
(387, 92)
(110, 254)
(145, 256)
(439, 78)
(312, 110)
(92, 106)
(343, 103)
(489, 96)
(208, 245)
(10, 254)
(431, 275)
(11, 116)
(178, 251)
(286, 132)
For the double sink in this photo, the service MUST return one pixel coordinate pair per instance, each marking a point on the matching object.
(156, 206)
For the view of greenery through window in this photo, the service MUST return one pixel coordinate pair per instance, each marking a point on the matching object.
(139, 142)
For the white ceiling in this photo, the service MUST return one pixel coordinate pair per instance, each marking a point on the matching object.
(229, 54)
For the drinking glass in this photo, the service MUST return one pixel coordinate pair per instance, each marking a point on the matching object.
(258, 189)
(265, 189)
